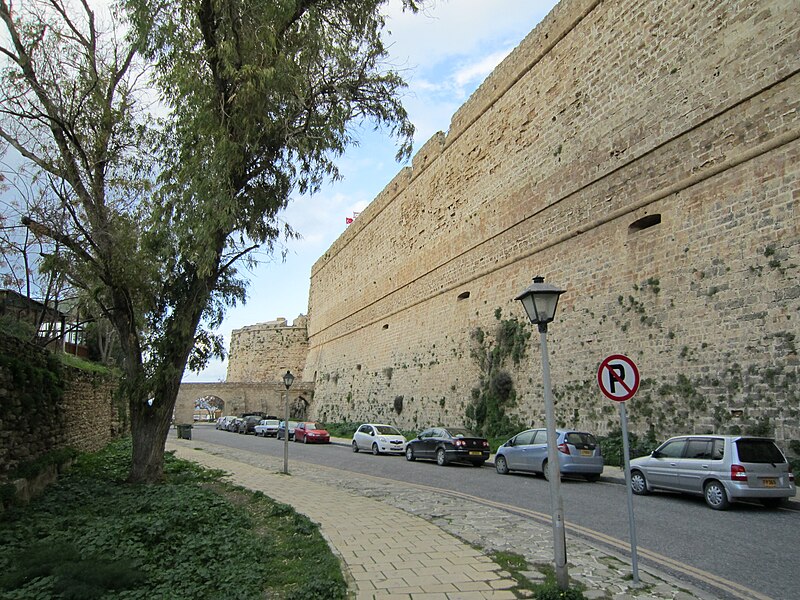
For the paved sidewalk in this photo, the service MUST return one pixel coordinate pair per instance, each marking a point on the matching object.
(433, 551)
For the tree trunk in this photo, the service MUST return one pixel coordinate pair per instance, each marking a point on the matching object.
(149, 429)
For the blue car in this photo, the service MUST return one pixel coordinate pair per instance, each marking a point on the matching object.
(578, 454)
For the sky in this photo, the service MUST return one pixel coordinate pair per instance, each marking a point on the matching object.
(444, 53)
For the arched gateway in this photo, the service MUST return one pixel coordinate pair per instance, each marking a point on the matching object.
(239, 398)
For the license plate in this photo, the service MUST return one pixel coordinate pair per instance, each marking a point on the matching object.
(768, 482)
(474, 453)
(586, 452)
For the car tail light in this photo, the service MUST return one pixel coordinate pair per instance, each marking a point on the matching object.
(485, 444)
(563, 448)
(791, 474)
(738, 473)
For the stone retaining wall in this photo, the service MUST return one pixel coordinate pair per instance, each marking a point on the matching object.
(45, 406)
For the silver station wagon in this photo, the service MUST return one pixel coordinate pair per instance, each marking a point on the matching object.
(721, 468)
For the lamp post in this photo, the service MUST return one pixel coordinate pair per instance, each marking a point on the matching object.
(540, 301)
(288, 380)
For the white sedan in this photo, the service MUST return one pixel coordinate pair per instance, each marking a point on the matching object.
(267, 428)
(378, 438)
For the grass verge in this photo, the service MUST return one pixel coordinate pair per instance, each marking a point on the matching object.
(94, 536)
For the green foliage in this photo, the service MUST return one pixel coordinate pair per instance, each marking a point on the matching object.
(762, 428)
(13, 327)
(612, 446)
(342, 430)
(516, 565)
(495, 393)
(32, 468)
(93, 536)
(77, 362)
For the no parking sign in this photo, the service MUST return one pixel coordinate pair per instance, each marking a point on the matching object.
(618, 377)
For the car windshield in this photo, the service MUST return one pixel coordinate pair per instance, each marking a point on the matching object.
(460, 433)
(759, 451)
(312, 426)
(387, 430)
(270, 422)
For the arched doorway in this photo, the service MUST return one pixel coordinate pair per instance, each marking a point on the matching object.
(298, 409)
(208, 408)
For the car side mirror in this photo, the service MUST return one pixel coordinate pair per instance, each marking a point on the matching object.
(656, 454)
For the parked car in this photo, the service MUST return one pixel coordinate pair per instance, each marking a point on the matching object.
(233, 424)
(578, 453)
(222, 422)
(448, 444)
(379, 439)
(248, 424)
(267, 427)
(721, 468)
(309, 432)
(282, 429)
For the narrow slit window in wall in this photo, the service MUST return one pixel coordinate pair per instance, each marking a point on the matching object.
(644, 223)
(386, 326)
(463, 295)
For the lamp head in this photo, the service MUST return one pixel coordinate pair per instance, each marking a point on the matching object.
(540, 300)
(288, 379)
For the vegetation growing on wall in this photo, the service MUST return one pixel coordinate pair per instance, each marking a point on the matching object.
(495, 394)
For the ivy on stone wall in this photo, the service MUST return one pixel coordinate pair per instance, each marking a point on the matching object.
(35, 387)
(486, 412)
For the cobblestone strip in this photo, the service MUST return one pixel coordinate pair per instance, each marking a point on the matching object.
(604, 574)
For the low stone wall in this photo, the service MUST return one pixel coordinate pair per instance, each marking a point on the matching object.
(45, 406)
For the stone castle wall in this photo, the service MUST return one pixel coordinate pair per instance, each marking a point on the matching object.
(641, 154)
(263, 353)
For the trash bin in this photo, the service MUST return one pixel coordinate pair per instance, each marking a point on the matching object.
(185, 432)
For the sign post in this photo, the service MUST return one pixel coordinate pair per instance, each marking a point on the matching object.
(618, 378)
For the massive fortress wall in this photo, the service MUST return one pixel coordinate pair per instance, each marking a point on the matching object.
(641, 154)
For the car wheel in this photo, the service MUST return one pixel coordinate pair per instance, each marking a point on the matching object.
(410, 453)
(638, 483)
(545, 471)
(715, 495)
(375, 449)
(501, 465)
(305, 439)
(592, 477)
(441, 458)
(355, 446)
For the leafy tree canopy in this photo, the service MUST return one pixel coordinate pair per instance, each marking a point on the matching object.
(171, 134)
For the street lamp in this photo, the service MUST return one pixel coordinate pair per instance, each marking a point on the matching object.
(540, 300)
(288, 380)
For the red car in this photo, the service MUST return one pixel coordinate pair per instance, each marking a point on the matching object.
(309, 432)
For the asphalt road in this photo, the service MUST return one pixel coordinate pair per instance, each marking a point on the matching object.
(749, 545)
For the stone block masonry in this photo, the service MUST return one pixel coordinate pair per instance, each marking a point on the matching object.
(45, 406)
(264, 352)
(641, 154)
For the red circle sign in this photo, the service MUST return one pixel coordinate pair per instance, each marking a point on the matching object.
(618, 377)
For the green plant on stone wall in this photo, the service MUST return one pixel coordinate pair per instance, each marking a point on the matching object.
(495, 393)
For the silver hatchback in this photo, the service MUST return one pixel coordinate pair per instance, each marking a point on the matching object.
(578, 453)
(721, 468)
